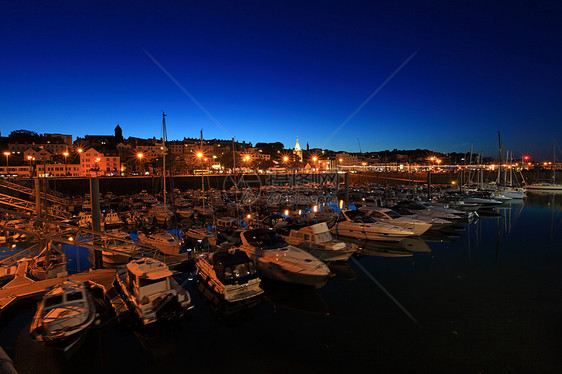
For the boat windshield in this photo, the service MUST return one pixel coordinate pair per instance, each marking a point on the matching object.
(239, 272)
(265, 239)
(53, 300)
(324, 237)
(74, 296)
(392, 214)
(359, 217)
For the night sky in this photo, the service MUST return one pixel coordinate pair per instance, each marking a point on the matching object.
(396, 74)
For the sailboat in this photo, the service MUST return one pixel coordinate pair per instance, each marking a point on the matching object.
(548, 186)
(165, 242)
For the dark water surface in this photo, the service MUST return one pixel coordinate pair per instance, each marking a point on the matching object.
(487, 300)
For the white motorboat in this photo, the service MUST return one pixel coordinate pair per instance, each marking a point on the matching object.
(544, 186)
(151, 292)
(390, 216)
(275, 259)
(431, 209)
(357, 224)
(230, 274)
(318, 241)
(64, 315)
(120, 245)
(162, 240)
(514, 192)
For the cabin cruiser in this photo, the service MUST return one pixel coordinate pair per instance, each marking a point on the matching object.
(436, 223)
(230, 274)
(390, 216)
(64, 315)
(357, 224)
(151, 292)
(431, 209)
(120, 245)
(277, 260)
(318, 241)
(514, 192)
(49, 263)
(162, 240)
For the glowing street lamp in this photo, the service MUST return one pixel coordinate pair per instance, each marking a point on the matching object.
(140, 155)
(7, 154)
(65, 164)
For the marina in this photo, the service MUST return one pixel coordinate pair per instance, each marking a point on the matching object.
(475, 293)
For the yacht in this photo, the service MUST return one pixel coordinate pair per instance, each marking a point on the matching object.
(432, 210)
(151, 292)
(230, 274)
(436, 223)
(390, 216)
(357, 224)
(162, 240)
(544, 186)
(318, 241)
(64, 315)
(121, 247)
(277, 260)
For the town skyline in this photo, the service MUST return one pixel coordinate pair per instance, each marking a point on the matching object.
(343, 76)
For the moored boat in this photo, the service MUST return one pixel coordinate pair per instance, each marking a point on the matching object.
(162, 240)
(277, 260)
(357, 224)
(151, 292)
(318, 240)
(64, 315)
(49, 263)
(230, 274)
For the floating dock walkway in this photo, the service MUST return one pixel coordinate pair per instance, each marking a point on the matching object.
(22, 288)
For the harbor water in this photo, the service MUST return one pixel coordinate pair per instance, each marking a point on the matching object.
(486, 298)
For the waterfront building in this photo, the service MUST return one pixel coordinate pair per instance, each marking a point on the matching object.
(94, 163)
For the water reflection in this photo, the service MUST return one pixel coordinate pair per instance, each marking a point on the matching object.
(228, 313)
(404, 248)
(295, 297)
(342, 271)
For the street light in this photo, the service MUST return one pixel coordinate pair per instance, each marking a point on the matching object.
(65, 169)
(7, 154)
(140, 156)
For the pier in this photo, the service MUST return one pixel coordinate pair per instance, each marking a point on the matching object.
(23, 288)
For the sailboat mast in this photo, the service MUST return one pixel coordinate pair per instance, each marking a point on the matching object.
(202, 174)
(499, 158)
(164, 155)
(554, 160)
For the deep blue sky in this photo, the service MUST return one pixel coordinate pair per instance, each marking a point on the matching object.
(272, 71)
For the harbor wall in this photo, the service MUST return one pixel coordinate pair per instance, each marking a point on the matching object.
(154, 184)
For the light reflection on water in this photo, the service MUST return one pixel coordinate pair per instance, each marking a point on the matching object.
(487, 300)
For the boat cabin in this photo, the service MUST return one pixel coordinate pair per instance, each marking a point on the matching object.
(58, 304)
(146, 277)
(264, 239)
(318, 233)
(233, 267)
